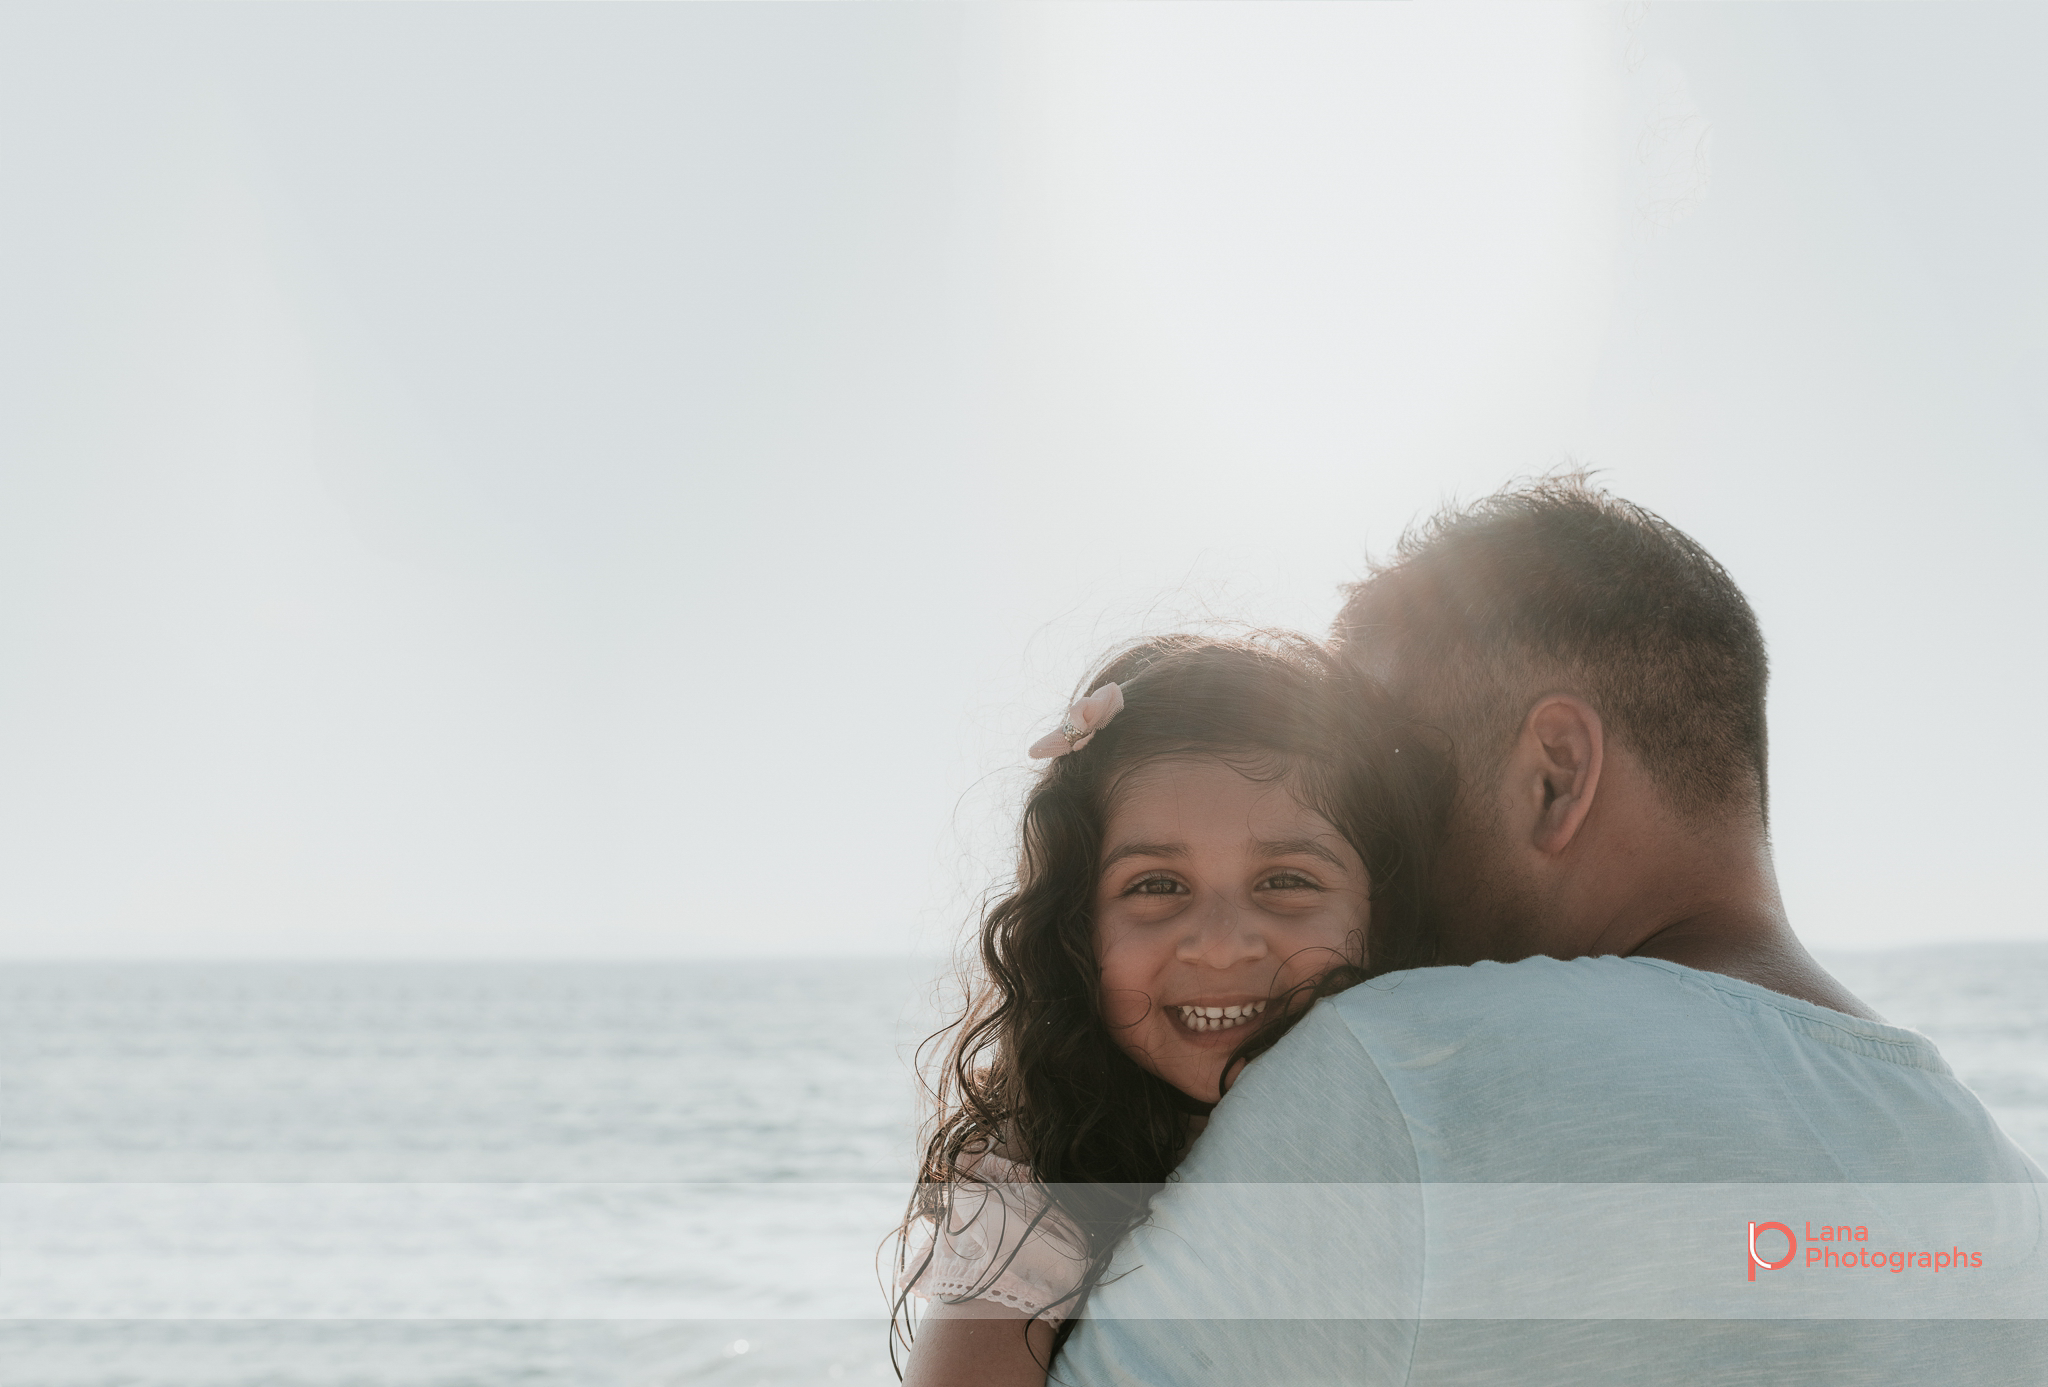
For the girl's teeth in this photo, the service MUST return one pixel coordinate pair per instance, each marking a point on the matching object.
(1219, 1018)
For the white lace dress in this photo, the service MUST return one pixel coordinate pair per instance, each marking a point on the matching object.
(993, 1245)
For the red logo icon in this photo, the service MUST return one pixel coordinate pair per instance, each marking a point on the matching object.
(1756, 1258)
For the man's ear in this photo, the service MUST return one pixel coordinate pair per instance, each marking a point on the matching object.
(1563, 746)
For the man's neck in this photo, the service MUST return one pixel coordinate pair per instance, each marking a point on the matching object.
(1712, 903)
(1759, 950)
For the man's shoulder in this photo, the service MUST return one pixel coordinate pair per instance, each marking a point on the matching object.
(1553, 1003)
(1539, 981)
(1633, 1069)
(1582, 1024)
(1589, 1005)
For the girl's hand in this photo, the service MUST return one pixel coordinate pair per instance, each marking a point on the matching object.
(978, 1344)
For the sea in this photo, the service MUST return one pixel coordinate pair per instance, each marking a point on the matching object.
(598, 1174)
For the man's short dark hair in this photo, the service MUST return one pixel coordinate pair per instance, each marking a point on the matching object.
(1556, 585)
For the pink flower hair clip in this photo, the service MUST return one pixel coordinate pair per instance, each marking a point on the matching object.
(1082, 722)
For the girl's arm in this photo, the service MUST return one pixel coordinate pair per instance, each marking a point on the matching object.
(978, 1344)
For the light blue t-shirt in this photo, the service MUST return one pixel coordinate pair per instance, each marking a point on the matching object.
(1602, 1170)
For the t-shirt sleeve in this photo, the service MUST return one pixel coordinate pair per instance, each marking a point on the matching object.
(1292, 1231)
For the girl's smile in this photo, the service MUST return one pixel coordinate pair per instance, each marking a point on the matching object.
(1218, 894)
(1214, 1018)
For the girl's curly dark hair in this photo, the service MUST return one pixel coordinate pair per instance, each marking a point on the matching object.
(1030, 1068)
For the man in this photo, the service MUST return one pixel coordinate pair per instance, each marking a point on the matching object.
(1643, 1137)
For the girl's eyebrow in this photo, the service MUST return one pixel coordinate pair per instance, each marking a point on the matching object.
(1306, 846)
(1287, 847)
(1117, 855)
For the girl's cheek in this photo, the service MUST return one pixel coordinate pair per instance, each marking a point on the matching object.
(1124, 1008)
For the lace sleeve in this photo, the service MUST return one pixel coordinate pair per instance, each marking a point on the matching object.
(999, 1240)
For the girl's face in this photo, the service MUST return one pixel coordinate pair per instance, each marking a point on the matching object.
(1217, 894)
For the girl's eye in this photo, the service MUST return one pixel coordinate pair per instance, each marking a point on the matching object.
(1156, 886)
(1290, 881)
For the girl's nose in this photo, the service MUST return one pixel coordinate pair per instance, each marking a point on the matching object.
(1221, 936)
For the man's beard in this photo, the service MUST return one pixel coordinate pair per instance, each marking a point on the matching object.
(1478, 906)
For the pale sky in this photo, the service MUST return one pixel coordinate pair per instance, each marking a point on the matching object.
(511, 481)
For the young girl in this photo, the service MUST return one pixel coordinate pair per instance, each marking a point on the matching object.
(1225, 830)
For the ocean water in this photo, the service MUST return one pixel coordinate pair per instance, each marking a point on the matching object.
(452, 1174)
(470, 1175)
